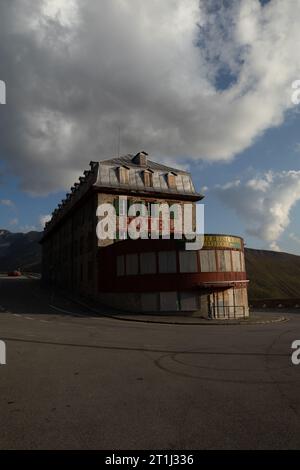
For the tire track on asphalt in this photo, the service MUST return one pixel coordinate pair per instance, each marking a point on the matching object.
(168, 368)
(270, 371)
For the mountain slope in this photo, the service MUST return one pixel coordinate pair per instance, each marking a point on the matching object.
(20, 250)
(272, 274)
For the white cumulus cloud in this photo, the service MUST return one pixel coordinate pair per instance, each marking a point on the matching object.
(44, 219)
(264, 203)
(78, 70)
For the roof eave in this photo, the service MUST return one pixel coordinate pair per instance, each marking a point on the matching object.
(143, 192)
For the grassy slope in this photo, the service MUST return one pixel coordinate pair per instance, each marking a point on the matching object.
(272, 274)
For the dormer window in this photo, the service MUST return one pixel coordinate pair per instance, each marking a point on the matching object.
(123, 172)
(140, 159)
(148, 178)
(171, 179)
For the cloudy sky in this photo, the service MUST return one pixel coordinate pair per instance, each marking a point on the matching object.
(205, 85)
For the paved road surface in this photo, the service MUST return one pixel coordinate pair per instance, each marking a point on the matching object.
(76, 381)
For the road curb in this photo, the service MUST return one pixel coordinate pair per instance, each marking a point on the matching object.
(124, 317)
(206, 322)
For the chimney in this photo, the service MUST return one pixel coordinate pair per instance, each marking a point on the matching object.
(93, 165)
(140, 158)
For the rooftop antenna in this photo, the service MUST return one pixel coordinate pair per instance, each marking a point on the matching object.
(119, 140)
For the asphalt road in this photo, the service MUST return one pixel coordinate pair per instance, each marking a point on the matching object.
(76, 381)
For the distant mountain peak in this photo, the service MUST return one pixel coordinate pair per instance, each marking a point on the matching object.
(4, 232)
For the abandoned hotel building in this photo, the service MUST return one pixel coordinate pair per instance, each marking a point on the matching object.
(144, 275)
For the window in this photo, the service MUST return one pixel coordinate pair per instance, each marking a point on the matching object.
(188, 301)
(116, 205)
(188, 261)
(123, 206)
(75, 248)
(90, 270)
(82, 216)
(123, 175)
(224, 260)
(169, 301)
(242, 262)
(132, 264)
(90, 241)
(175, 210)
(147, 176)
(236, 261)
(81, 244)
(148, 263)
(171, 180)
(149, 301)
(120, 265)
(208, 261)
(120, 205)
(167, 261)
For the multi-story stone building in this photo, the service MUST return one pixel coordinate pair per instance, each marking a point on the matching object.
(142, 275)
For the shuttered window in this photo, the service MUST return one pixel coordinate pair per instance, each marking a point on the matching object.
(188, 261)
(167, 261)
(147, 175)
(208, 261)
(148, 263)
(123, 175)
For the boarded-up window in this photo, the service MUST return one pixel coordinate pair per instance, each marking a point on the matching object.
(90, 270)
(224, 260)
(149, 302)
(120, 265)
(221, 260)
(241, 302)
(176, 211)
(90, 240)
(208, 261)
(228, 266)
(238, 296)
(122, 206)
(167, 261)
(81, 244)
(147, 175)
(132, 264)
(123, 175)
(229, 302)
(188, 261)
(236, 261)
(171, 180)
(188, 301)
(243, 262)
(148, 263)
(169, 301)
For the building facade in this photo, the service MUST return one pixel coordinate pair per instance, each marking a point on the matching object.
(143, 275)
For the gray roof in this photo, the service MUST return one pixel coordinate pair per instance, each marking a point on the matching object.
(108, 177)
(104, 175)
(128, 161)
